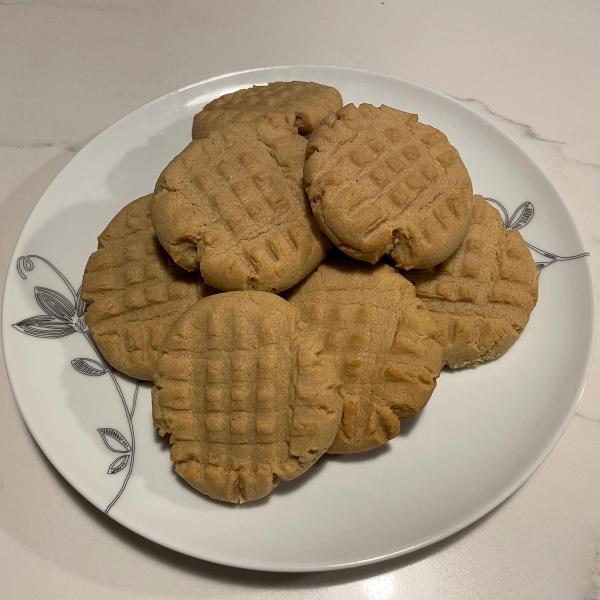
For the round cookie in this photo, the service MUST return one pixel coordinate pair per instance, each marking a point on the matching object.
(246, 394)
(380, 183)
(482, 296)
(209, 121)
(233, 206)
(134, 291)
(299, 104)
(382, 338)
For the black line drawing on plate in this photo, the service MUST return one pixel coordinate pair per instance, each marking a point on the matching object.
(63, 317)
(521, 217)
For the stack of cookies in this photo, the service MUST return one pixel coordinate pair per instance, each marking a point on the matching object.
(296, 282)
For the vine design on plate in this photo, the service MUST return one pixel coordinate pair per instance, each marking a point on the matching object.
(63, 316)
(521, 217)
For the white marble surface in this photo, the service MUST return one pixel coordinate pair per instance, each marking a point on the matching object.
(68, 69)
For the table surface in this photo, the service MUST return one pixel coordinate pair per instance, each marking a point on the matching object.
(68, 69)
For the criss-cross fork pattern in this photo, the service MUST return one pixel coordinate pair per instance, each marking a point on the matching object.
(304, 103)
(372, 172)
(248, 211)
(382, 338)
(483, 295)
(134, 292)
(236, 396)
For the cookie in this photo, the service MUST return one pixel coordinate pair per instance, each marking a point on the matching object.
(208, 122)
(446, 155)
(134, 291)
(482, 296)
(233, 206)
(382, 338)
(380, 183)
(246, 394)
(300, 104)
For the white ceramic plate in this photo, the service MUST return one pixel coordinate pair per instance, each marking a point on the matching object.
(482, 434)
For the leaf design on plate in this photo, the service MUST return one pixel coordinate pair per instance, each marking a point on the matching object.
(110, 435)
(501, 208)
(79, 304)
(118, 464)
(88, 366)
(44, 326)
(522, 216)
(54, 304)
(543, 264)
(24, 264)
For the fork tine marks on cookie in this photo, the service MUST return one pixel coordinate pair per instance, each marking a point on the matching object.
(384, 346)
(392, 162)
(249, 427)
(240, 190)
(482, 295)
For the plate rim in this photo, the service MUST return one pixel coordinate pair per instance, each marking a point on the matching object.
(508, 491)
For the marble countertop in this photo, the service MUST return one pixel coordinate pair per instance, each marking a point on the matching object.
(70, 68)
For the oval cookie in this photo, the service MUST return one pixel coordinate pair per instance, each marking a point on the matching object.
(210, 121)
(381, 336)
(482, 296)
(247, 397)
(300, 104)
(233, 206)
(380, 183)
(134, 292)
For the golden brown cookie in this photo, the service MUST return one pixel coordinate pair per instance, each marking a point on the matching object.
(246, 394)
(208, 122)
(134, 291)
(381, 335)
(446, 155)
(233, 206)
(482, 296)
(299, 104)
(380, 183)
